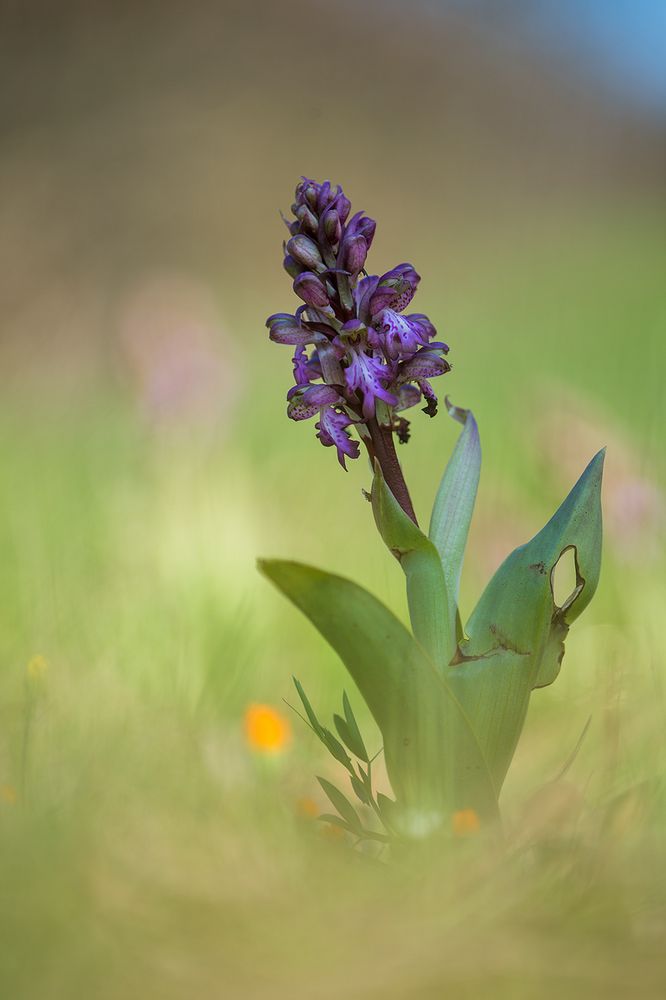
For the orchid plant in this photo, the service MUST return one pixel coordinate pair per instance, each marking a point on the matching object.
(450, 701)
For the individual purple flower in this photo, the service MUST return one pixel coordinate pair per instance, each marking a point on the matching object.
(403, 335)
(427, 363)
(331, 428)
(394, 290)
(307, 400)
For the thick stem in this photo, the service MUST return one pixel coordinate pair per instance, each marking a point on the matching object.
(384, 449)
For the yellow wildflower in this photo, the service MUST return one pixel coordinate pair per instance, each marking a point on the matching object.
(37, 667)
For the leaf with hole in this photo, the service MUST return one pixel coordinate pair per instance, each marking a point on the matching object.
(517, 632)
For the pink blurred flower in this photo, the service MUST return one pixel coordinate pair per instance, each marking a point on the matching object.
(569, 431)
(178, 352)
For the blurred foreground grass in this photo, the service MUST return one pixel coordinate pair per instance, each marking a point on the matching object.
(146, 851)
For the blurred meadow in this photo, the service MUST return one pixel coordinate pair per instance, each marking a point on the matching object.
(149, 847)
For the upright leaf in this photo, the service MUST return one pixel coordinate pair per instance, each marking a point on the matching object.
(426, 585)
(454, 503)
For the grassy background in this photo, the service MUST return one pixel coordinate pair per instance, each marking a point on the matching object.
(146, 461)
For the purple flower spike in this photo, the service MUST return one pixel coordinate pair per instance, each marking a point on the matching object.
(358, 360)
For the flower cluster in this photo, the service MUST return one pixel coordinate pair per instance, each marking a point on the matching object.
(358, 361)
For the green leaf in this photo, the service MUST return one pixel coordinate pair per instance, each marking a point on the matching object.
(433, 757)
(517, 632)
(347, 737)
(360, 789)
(426, 585)
(336, 749)
(309, 711)
(358, 746)
(454, 503)
(333, 746)
(342, 804)
(388, 809)
(336, 821)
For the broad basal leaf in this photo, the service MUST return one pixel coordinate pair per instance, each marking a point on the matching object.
(432, 755)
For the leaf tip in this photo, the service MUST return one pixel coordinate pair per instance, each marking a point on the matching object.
(458, 413)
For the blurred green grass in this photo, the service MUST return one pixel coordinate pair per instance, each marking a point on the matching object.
(144, 850)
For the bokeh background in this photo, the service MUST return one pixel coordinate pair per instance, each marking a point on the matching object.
(515, 153)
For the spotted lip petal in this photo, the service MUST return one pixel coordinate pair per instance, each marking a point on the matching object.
(365, 374)
(332, 432)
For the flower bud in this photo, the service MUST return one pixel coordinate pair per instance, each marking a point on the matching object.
(305, 250)
(292, 267)
(308, 221)
(366, 228)
(353, 253)
(306, 193)
(342, 206)
(286, 329)
(309, 288)
(324, 196)
(332, 226)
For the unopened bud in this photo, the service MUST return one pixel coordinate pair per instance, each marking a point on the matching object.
(307, 220)
(305, 250)
(332, 226)
(366, 228)
(353, 254)
(309, 288)
(286, 329)
(292, 266)
(342, 207)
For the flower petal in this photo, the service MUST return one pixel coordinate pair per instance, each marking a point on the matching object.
(331, 432)
(366, 375)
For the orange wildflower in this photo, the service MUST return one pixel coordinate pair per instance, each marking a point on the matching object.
(266, 729)
(8, 794)
(307, 807)
(465, 821)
